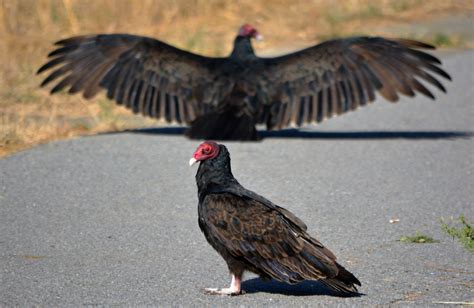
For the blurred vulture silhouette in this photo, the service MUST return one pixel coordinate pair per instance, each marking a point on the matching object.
(253, 234)
(225, 98)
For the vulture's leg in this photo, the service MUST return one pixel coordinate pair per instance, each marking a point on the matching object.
(223, 126)
(234, 288)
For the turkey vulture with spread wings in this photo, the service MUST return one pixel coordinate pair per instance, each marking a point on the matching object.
(253, 234)
(225, 98)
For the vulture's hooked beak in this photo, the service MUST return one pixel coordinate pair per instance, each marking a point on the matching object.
(192, 161)
(259, 37)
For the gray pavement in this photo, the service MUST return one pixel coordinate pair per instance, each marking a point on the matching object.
(112, 219)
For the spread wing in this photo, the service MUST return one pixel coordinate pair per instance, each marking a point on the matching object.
(338, 76)
(143, 74)
(265, 238)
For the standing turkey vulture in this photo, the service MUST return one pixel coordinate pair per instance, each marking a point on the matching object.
(224, 98)
(251, 233)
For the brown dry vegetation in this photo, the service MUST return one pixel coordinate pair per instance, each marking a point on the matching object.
(29, 116)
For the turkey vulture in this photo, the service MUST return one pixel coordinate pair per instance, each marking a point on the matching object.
(253, 234)
(225, 98)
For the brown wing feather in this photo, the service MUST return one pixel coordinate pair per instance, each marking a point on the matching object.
(341, 75)
(144, 74)
(263, 237)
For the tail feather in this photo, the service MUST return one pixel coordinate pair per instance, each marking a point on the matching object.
(312, 264)
(339, 286)
(344, 282)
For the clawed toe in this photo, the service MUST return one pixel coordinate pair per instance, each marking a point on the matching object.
(223, 291)
(233, 290)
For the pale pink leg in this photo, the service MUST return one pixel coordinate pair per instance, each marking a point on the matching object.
(234, 288)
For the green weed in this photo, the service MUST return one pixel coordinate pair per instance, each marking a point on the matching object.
(418, 238)
(464, 233)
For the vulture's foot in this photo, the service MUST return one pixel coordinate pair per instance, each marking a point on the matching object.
(233, 290)
(223, 291)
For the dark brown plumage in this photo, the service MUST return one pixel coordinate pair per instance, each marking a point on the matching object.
(224, 98)
(253, 234)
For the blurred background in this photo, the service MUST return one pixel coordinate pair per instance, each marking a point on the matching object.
(29, 116)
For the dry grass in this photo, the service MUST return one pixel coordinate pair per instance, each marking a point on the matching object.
(30, 116)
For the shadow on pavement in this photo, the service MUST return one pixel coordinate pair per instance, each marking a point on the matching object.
(301, 134)
(295, 133)
(304, 288)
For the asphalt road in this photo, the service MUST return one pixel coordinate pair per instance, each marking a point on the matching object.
(112, 219)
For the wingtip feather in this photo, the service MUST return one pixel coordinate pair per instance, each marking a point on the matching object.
(71, 40)
(41, 69)
(415, 43)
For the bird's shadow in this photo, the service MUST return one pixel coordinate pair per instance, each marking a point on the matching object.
(304, 288)
(295, 133)
(304, 134)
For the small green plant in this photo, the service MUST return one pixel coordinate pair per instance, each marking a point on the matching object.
(418, 238)
(371, 11)
(441, 39)
(464, 234)
(447, 41)
(196, 42)
(106, 113)
(334, 17)
(404, 5)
